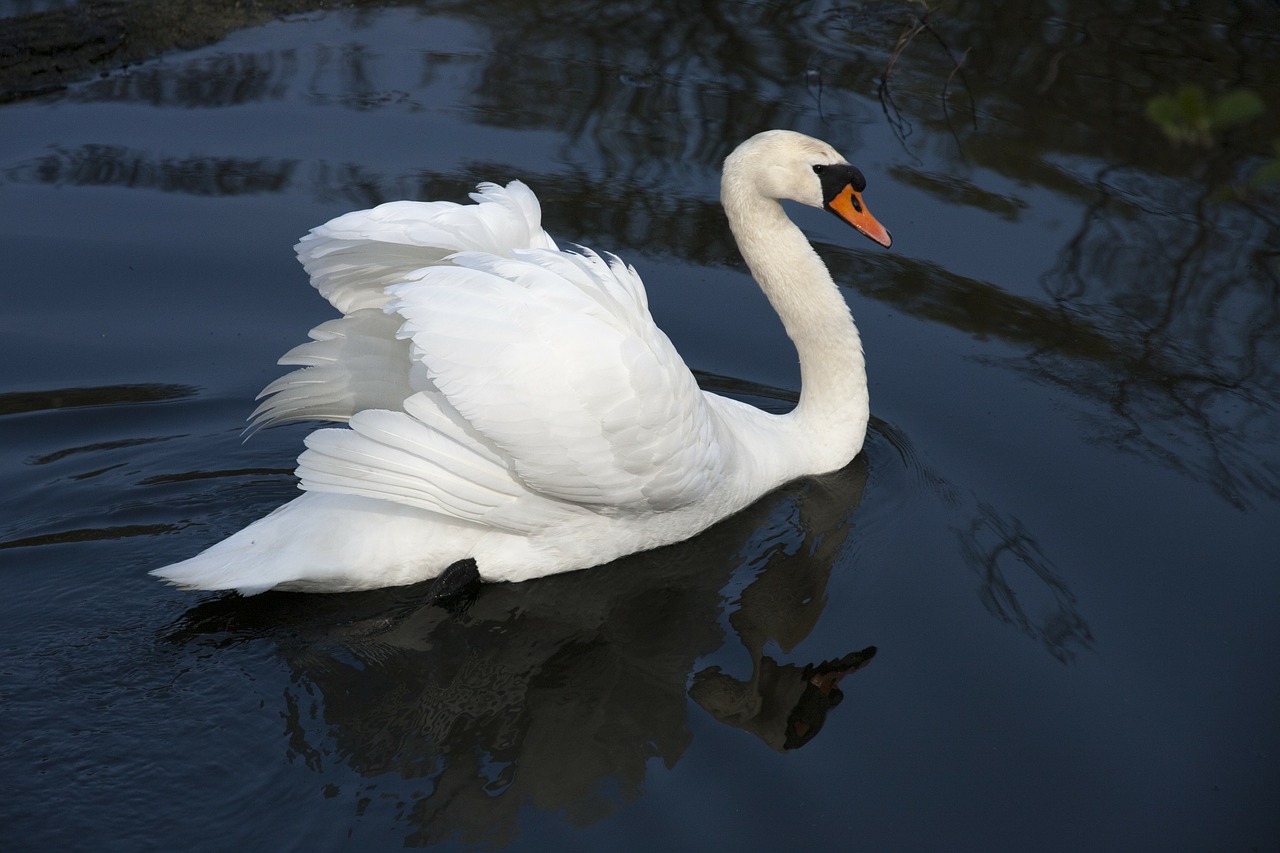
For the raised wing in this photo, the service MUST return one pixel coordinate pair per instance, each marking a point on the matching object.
(353, 258)
(356, 362)
(568, 376)
(545, 366)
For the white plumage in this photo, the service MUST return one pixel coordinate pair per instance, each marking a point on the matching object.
(514, 403)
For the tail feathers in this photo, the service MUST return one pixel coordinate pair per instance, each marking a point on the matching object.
(247, 561)
(329, 543)
(216, 571)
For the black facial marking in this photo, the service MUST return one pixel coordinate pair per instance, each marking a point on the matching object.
(835, 177)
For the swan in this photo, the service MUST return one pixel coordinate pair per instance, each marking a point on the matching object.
(512, 407)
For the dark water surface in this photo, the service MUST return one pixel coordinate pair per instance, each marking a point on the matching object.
(1061, 540)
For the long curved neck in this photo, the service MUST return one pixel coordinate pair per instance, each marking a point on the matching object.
(834, 406)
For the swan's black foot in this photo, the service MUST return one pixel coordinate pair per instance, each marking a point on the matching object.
(456, 587)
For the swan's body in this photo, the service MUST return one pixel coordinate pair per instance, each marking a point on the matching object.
(515, 404)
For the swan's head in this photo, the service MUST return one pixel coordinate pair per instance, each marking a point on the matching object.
(783, 164)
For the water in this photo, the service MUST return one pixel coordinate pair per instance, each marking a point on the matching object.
(1060, 540)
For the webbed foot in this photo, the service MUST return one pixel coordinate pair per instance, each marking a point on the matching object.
(456, 587)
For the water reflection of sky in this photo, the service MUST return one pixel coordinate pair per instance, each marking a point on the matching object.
(1063, 548)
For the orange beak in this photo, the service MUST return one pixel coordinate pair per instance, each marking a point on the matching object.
(847, 204)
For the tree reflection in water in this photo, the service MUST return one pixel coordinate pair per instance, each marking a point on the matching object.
(1171, 282)
(1157, 311)
(1160, 312)
(1172, 270)
(557, 692)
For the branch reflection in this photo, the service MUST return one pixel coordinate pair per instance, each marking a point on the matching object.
(1161, 310)
(1177, 271)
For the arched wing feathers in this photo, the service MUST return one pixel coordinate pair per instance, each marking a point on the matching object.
(554, 358)
(353, 258)
(541, 384)
(355, 362)
(350, 364)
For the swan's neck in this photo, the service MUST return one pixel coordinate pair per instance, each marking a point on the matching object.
(831, 418)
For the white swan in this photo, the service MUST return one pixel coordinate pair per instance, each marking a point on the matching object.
(514, 404)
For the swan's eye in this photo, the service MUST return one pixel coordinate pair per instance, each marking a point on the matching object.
(819, 169)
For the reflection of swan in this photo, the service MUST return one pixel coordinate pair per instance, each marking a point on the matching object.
(783, 704)
(563, 694)
(514, 404)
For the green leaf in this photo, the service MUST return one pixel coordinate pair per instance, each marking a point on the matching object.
(1236, 107)
(1163, 110)
(1192, 105)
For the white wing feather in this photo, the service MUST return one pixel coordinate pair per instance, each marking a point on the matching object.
(355, 362)
(352, 258)
(619, 422)
(532, 384)
(351, 364)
